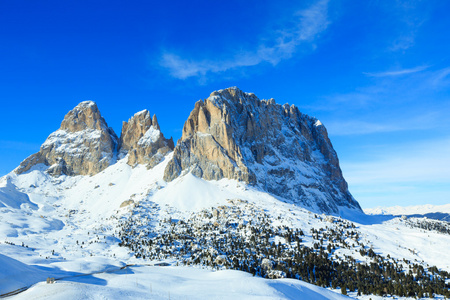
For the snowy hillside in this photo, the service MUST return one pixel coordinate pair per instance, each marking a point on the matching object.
(61, 227)
(64, 226)
(154, 282)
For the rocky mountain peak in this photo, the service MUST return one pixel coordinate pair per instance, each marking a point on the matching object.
(134, 129)
(143, 141)
(84, 116)
(84, 144)
(233, 134)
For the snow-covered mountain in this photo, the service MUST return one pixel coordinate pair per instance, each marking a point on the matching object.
(83, 145)
(250, 203)
(409, 210)
(437, 212)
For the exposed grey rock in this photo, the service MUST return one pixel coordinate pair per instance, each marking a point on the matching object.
(84, 144)
(235, 135)
(126, 203)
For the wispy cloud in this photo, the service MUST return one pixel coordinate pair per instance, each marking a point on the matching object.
(310, 23)
(183, 68)
(415, 100)
(412, 15)
(397, 72)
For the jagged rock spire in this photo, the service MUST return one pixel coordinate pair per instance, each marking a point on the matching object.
(134, 130)
(155, 122)
(143, 141)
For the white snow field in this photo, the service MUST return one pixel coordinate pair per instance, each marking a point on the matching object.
(65, 226)
(153, 282)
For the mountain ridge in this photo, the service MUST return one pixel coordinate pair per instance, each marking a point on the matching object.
(231, 134)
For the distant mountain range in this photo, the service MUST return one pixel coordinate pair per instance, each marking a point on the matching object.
(436, 212)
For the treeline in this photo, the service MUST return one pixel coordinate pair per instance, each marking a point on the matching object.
(245, 240)
(428, 224)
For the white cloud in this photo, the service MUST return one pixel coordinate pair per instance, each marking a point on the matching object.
(391, 195)
(397, 72)
(184, 68)
(311, 22)
(411, 15)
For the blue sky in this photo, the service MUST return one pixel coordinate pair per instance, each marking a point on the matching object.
(376, 73)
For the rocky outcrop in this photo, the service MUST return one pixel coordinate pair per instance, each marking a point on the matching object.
(143, 141)
(83, 145)
(235, 135)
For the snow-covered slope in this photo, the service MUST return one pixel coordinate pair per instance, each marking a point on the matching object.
(69, 225)
(15, 274)
(11, 197)
(176, 283)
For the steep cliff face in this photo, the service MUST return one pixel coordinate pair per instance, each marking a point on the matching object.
(235, 135)
(143, 141)
(83, 145)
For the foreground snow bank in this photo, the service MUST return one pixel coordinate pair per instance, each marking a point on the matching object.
(15, 274)
(176, 283)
